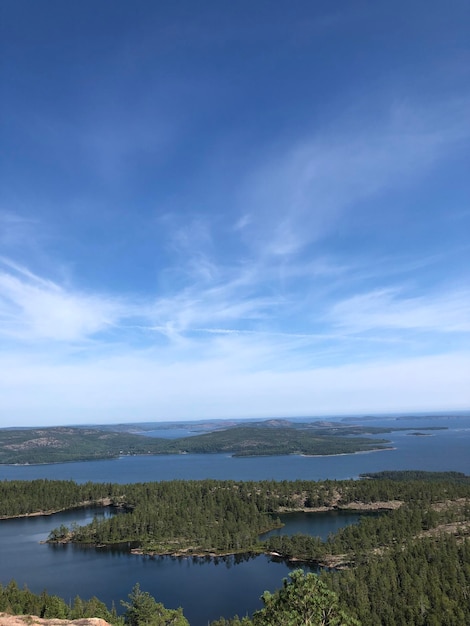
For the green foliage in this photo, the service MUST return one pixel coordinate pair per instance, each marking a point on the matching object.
(228, 517)
(143, 610)
(18, 601)
(423, 476)
(194, 517)
(18, 497)
(304, 600)
(265, 440)
(59, 444)
(234, 621)
(404, 571)
(425, 582)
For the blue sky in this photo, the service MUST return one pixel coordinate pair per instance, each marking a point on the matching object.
(230, 209)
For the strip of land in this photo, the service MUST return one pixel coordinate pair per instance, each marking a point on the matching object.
(26, 446)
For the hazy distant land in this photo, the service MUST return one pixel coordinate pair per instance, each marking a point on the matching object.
(265, 438)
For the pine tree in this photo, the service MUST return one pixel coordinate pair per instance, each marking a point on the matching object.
(143, 610)
(304, 600)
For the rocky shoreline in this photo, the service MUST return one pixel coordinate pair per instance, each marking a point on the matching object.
(28, 620)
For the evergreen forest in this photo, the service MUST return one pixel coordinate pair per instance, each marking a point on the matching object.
(408, 565)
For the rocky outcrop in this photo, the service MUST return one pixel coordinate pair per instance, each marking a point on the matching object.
(30, 620)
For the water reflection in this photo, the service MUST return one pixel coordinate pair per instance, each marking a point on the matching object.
(205, 587)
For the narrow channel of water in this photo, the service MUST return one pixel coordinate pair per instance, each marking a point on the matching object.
(205, 588)
(316, 524)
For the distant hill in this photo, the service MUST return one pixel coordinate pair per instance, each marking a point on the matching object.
(274, 437)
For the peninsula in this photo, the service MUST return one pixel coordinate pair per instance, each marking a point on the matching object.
(266, 438)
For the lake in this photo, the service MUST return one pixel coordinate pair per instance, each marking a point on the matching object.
(316, 524)
(205, 589)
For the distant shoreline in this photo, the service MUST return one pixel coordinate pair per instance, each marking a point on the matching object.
(104, 502)
(231, 455)
(320, 456)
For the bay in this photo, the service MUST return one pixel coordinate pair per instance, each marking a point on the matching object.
(438, 450)
(205, 589)
(316, 524)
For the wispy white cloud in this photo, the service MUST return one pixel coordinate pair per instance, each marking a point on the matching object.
(191, 245)
(299, 194)
(391, 309)
(226, 367)
(242, 222)
(197, 307)
(173, 234)
(16, 229)
(33, 308)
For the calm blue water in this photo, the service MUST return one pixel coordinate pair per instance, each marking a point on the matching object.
(441, 451)
(171, 433)
(317, 524)
(206, 590)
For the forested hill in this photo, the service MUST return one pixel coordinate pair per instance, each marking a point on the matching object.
(59, 444)
(56, 445)
(268, 440)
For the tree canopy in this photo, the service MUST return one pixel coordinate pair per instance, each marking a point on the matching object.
(303, 600)
(144, 610)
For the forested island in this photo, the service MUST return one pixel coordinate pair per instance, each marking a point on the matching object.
(408, 565)
(273, 437)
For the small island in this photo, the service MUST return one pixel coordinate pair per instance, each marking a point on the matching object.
(419, 434)
(213, 518)
(421, 514)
